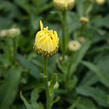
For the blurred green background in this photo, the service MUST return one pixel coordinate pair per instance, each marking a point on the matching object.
(21, 68)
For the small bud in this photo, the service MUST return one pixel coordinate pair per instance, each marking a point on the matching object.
(3, 33)
(64, 4)
(56, 86)
(61, 58)
(49, 83)
(13, 32)
(74, 45)
(100, 2)
(84, 20)
(82, 39)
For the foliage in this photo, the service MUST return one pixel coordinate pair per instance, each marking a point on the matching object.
(83, 77)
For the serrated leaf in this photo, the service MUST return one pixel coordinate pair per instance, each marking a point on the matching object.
(35, 72)
(28, 106)
(96, 93)
(35, 95)
(85, 103)
(89, 79)
(103, 76)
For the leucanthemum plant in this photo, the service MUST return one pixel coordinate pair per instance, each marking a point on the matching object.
(46, 44)
(64, 6)
(11, 36)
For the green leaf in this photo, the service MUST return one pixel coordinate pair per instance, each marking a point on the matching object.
(96, 93)
(75, 103)
(35, 23)
(5, 23)
(52, 64)
(83, 7)
(73, 22)
(35, 72)
(34, 95)
(102, 21)
(72, 83)
(9, 88)
(89, 79)
(85, 103)
(103, 76)
(103, 62)
(45, 7)
(53, 81)
(28, 106)
(100, 49)
(24, 4)
(56, 100)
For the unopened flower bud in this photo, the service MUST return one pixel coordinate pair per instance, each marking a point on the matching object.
(100, 2)
(84, 20)
(13, 32)
(82, 39)
(56, 86)
(64, 4)
(46, 41)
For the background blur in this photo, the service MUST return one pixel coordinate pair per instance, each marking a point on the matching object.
(21, 67)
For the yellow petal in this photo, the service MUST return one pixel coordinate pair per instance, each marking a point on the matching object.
(41, 25)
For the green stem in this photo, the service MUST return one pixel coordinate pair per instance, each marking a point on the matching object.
(63, 33)
(69, 68)
(46, 82)
(14, 49)
(9, 52)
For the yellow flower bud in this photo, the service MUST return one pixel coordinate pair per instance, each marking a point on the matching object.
(74, 45)
(64, 4)
(84, 20)
(100, 2)
(46, 41)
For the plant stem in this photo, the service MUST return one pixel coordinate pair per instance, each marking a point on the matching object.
(46, 82)
(14, 49)
(63, 33)
(69, 67)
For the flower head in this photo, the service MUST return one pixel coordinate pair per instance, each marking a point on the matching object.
(74, 45)
(46, 41)
(100, 2)
(84, 20)
(64, 4)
